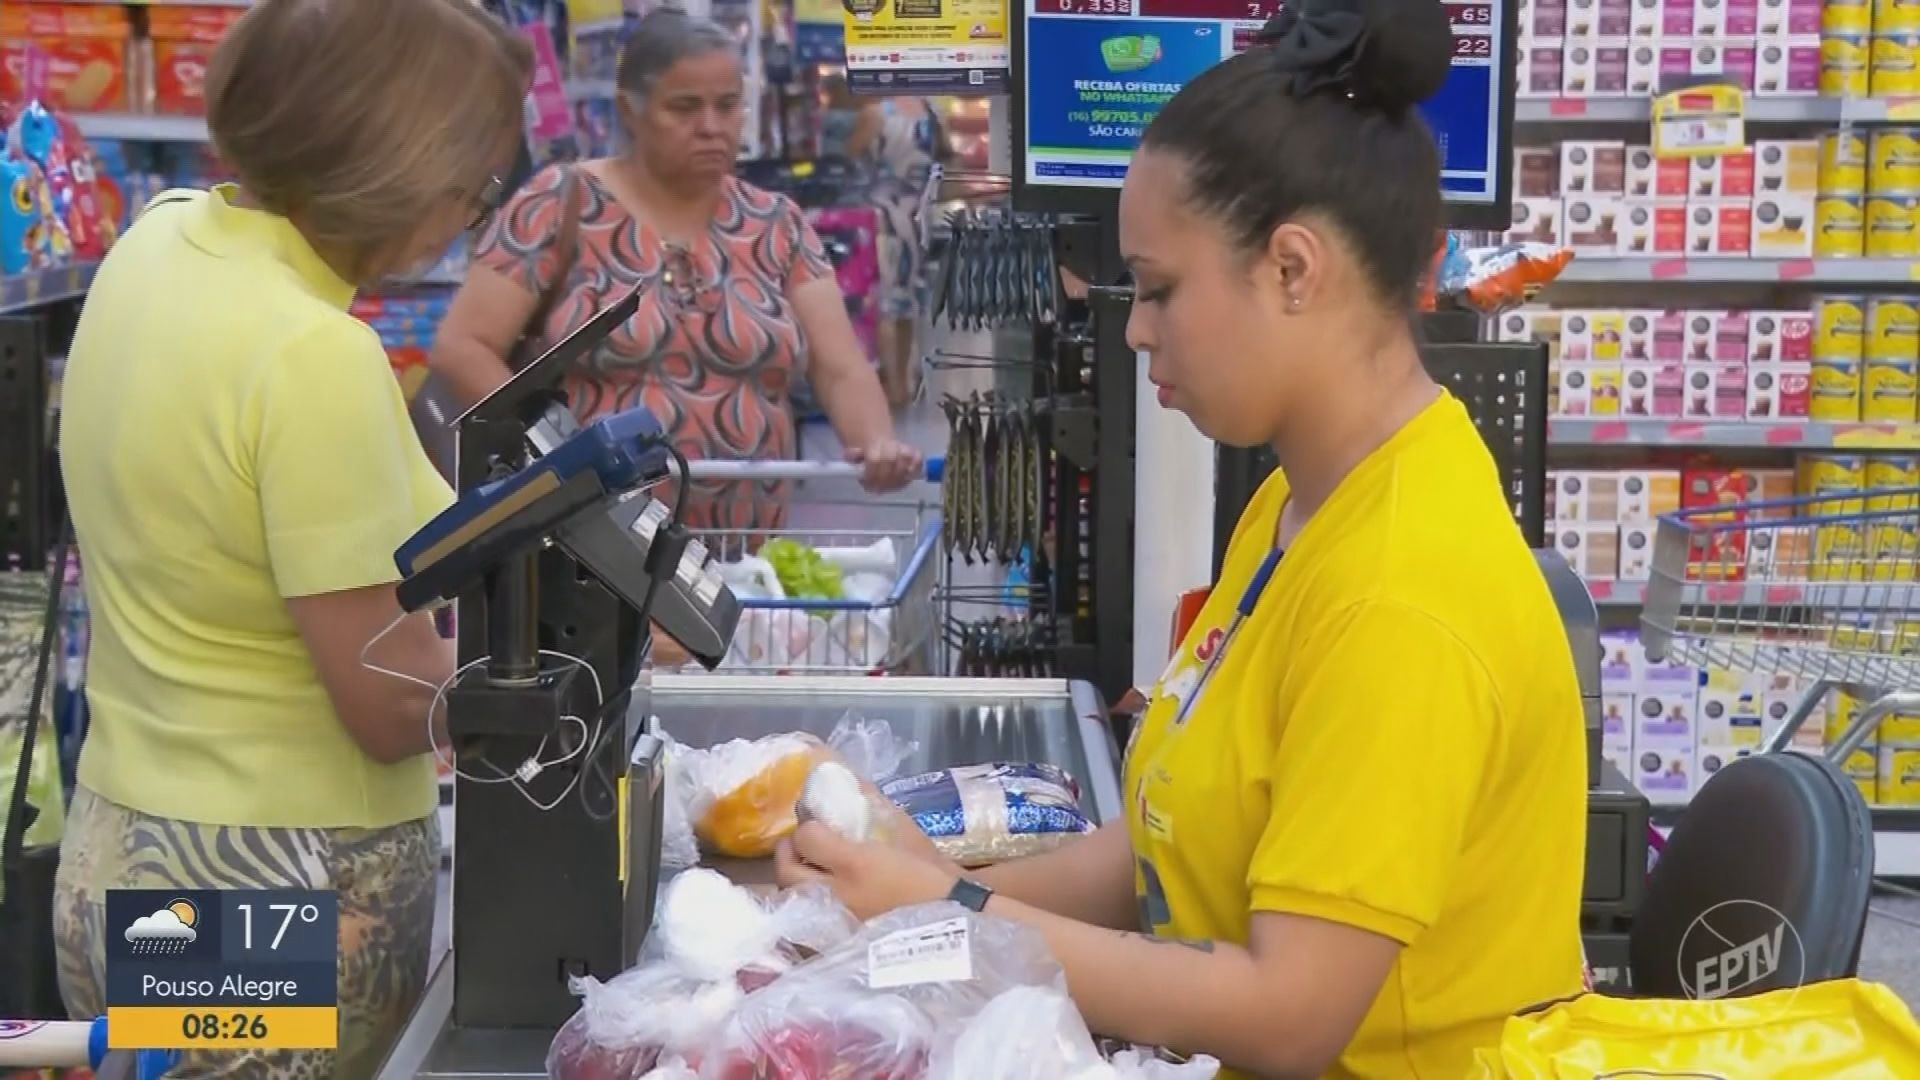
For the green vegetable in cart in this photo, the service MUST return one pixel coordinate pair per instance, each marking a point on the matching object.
(803, 573)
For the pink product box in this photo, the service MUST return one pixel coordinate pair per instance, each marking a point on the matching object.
(1652, 389)
(1549, 21)
(1542, 70)
(1789, 18)
(1712, 336)
(1715, 391)
(1598, 18)
(1676, 20)
(1743, 18)
(1787, 66)
(1651, 65)
(1594, 68)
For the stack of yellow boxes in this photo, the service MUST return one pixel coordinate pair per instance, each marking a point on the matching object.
(1869, 46)
(1865, 350)
(1886, 768)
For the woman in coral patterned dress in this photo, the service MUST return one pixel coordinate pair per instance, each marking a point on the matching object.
(743, 302)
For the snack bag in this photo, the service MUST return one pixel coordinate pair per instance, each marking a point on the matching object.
(713, 944)
(982, 814)
(878, 1005)
(1492, 280)
(739, 798)
(19, 219)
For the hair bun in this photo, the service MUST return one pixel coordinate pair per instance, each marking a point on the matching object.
(1385, 54)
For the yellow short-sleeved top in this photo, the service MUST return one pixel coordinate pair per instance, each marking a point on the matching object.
(231, 437)
(1393, 740)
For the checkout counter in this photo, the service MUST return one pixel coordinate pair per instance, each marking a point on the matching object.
(560, 560)
(951, 721)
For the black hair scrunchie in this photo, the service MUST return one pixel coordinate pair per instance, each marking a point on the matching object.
(1319, 43)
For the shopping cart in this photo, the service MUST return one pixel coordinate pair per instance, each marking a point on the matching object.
(890, 635)
(1820, 590)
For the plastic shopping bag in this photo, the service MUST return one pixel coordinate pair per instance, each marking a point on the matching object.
(1036, 1033)
(714, 943)
(1845, 1028)
(738, 798)
(878, 1005)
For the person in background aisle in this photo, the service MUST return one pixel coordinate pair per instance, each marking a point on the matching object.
(1355, 805)
(900, 139)
(743, 298)
(240, 469)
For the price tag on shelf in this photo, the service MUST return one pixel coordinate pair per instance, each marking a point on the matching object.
(1794, 269)
(1903, 108)
(1666, 269)
(1567, 106)
(1699, 121)
(1786, 434)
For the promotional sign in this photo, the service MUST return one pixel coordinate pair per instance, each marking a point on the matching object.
(927, 46)
(1098, 71)
(202, 970)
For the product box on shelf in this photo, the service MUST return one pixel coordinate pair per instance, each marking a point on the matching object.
(1593, 551)
(1835, 388)
(182, 40)
(1651, 228)
(1887, 390)
(82, 50)
(1714, 391)
(1719, 228)
(1636, 552)
(1774, 336)
(1782, 227)
(1898, 779)
(1721, 176)
(1716, 336)
(1778, 391)
(1640, 333)
(1536, 172)
(1593, 224)
(1664, 775)
(1593, 168)
(1786, 167)
(1787, 67)
(1604, 19)
(1592, 335)
(1541, 324)
(1654, 64)
(1655, 178)
(1717, 554)
(1542, 70)
(1545, 20)
(1789, 18)
(1595, 67)
(1538, 221)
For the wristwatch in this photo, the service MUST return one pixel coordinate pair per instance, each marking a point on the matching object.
(970, 894)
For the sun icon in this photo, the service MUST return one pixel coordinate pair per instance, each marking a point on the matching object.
(184, 910)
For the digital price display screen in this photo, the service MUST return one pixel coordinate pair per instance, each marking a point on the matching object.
(206, 970)
(1095, 73)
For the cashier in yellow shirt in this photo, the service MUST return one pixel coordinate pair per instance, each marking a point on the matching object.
(1355, 826)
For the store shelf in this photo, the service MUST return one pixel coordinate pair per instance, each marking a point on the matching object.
(1616, 270)
(24, 292)
(1760, 110)
(1825, 595)
(1569, 431)
(142, 126)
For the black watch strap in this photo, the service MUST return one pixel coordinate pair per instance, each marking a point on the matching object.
(970, 894)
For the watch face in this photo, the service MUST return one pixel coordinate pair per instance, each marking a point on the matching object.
(970, 895)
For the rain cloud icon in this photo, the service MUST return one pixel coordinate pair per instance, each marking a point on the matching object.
(166, 932)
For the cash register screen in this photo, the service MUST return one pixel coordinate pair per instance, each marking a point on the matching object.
(1092, 74)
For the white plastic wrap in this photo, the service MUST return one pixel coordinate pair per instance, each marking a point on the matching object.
(713, 943)
(1036, 1033)
(739, 798)
(878, 1005)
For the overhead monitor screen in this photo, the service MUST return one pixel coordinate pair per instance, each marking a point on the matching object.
(1096, 72)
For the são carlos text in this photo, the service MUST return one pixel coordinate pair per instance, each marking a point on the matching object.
(229, 987)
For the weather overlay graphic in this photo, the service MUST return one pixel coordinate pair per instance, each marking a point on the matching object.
(222, 970)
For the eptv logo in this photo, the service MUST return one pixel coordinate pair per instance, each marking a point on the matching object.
(1736, 945)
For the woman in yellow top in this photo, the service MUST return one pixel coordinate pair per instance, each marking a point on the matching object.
(1354, 838)
(240, 467)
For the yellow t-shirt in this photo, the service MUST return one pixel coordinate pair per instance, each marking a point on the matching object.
(1393, 741)
(231, 436)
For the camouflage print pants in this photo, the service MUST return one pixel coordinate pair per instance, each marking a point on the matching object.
(385, 879)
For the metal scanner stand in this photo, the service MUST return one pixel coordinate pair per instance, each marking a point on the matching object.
(558, 561)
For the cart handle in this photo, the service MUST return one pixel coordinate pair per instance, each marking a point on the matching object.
(703, 469)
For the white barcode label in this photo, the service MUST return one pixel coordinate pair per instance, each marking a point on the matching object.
(937, 952)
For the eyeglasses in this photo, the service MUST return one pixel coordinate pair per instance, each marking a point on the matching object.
(491, 195)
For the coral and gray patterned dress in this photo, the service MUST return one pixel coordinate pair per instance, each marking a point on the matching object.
(716, 346)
